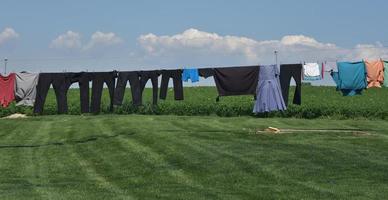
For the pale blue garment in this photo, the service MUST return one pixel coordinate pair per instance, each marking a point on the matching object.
(269, 93)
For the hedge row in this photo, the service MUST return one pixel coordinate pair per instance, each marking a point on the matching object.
(318, 102)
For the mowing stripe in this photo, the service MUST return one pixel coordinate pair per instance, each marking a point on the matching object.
(153, 158)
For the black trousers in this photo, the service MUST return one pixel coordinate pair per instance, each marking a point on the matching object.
(134, 82)
(286, 73)
(98, 80)
(176, 75)
(83, 79)
(153, 75)
(60, 82)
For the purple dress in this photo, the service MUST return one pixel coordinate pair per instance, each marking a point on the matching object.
(269, 93)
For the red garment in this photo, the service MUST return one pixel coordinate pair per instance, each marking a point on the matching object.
(7, 89)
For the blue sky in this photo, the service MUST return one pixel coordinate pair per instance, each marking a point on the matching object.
(103, 35)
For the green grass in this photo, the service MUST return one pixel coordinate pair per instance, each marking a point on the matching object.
(317, 102)
(171, 157)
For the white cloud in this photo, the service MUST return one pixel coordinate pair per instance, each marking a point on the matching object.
(291, 40)
(100, 39)
(8, 34)
(292, 48)
(68, 40)
(368, 51)
(72, 40)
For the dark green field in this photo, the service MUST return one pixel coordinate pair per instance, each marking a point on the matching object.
(171, 157)
(317, 102)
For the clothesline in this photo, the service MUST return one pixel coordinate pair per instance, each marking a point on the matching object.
(229, 81)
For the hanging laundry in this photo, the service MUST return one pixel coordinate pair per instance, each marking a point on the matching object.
(153, 76)
(375, 73)
(61, 83)
(25, 88)
(287, 72)
(386, 73)
(83, 79)
(335, 77)
(206, 72)
(176, 76)
(268, 92)
(345, 92)
(311, 72)
(7, 89)
(191, 74)
(232, 81)
(98, 80)
(351, 78)
(134, 82)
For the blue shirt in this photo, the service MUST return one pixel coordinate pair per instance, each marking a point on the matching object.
(191, 74)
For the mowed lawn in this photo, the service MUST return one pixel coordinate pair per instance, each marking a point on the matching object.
(171, 157)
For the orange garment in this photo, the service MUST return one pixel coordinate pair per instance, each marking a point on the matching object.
(375, 73)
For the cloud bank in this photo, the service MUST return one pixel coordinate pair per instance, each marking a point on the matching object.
(196, 44)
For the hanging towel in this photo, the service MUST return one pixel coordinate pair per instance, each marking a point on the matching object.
(386, 73)
(232, 81)
(312, 71)
(191, 74)
(375, 73)
(25, 90)
(268, 92)
(351, 78)
(7, 89)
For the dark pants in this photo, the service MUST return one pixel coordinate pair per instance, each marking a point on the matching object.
(153, 75)
(61, 83)
(286, 73)
(134, 82)
(98, 80)
(176, 75)
(83, 80)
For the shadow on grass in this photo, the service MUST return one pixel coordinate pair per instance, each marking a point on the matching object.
(70, 142)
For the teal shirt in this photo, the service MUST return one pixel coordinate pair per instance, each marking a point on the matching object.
(352, 75)
(351, 78)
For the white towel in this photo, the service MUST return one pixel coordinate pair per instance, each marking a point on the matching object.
(311, 70)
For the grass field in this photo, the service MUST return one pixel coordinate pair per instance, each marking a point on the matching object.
(171, 157)
(317, 102)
